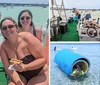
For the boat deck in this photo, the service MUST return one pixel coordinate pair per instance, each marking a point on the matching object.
(3, 80)
(70, 35)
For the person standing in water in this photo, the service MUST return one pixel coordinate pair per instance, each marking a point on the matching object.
(55, 48)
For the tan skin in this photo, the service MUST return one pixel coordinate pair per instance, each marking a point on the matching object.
(27, 28)
(22, 44)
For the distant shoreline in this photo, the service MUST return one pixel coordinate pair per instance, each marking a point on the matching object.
(22, 4)
(78, 9)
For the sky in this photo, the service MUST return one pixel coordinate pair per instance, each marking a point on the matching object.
(24, 1)
(81, 4)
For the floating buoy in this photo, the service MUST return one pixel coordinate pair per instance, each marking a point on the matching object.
(73, 48)
(68, 61)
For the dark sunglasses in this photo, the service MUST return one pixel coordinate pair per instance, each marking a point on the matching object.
(27, 17)
(5, 27)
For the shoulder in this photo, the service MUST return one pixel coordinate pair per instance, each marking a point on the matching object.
(37, 28)
(27, 36)
(3, 46)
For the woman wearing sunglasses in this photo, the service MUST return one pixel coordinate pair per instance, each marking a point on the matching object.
(26, 25)
(27, 48)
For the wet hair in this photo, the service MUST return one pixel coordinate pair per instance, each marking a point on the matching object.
(8, 18)
(23, 11)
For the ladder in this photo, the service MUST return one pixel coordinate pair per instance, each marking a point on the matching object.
(59, 7)
(58, 16)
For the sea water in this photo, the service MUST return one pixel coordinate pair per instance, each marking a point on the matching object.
(40, 15)
(88, 50)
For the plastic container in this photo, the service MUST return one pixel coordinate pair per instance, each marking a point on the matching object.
(67, 60)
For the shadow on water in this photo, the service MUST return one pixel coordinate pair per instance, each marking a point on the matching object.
(79, 79)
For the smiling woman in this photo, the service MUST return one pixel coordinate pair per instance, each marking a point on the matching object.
(8, 27)
(26, 24)
(33, 69)
(13, 9)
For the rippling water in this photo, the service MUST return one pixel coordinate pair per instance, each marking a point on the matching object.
(89, 50)
(40, 15)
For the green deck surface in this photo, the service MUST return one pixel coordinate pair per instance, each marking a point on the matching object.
(3, 80)
(70, 35)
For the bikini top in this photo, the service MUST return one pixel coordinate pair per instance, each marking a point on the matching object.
(34, 31)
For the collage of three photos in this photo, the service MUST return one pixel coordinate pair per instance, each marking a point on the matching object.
(49, 42)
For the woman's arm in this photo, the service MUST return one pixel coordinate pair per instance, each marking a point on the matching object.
(37, 50)
(38, 33)
(12, 74)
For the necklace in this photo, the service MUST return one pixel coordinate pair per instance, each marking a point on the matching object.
(14, 44)
(15, 47)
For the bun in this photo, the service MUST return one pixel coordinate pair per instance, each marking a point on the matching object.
(15, 61)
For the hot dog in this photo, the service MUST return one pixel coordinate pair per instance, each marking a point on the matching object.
(15, 61)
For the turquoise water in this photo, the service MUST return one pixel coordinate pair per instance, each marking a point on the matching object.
(40, 14)
(90, 51)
